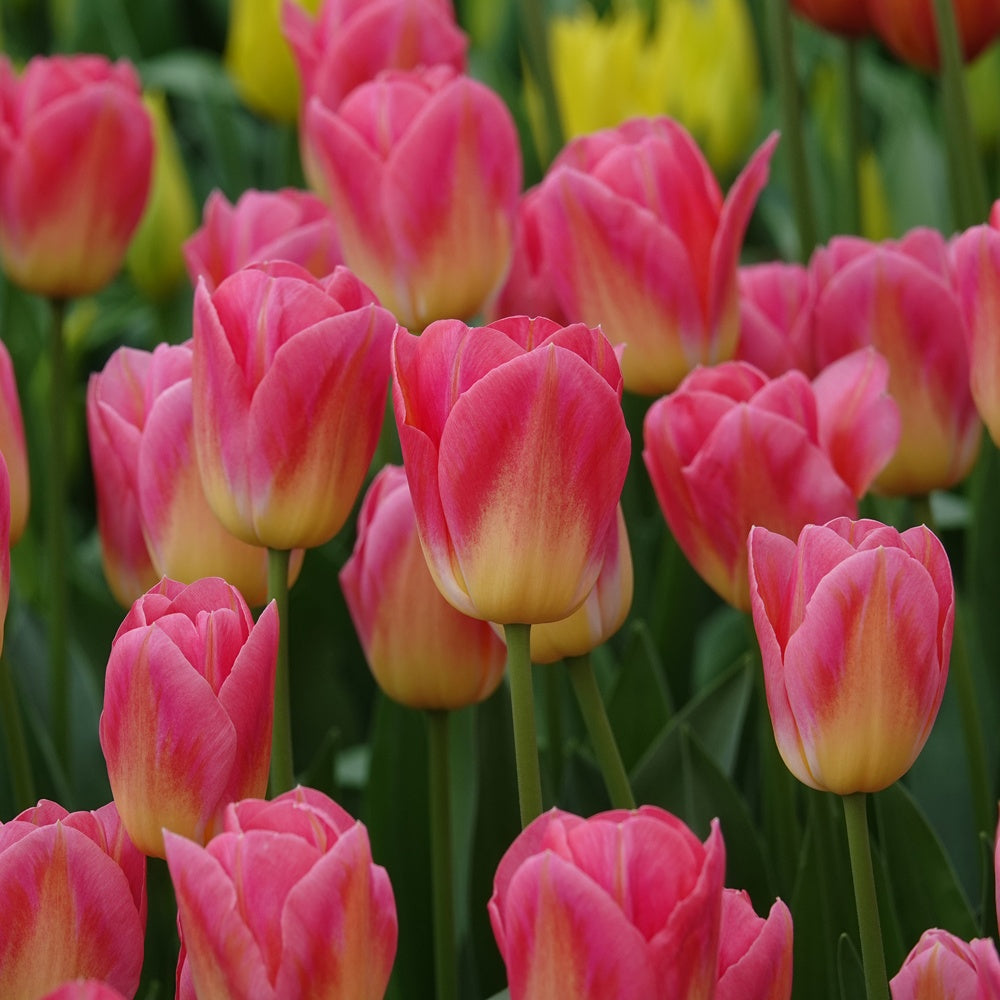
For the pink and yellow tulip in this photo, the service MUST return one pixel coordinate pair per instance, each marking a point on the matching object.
(73, 898)
(290, 378)
(262, 225)
(730, 449)
(422, 651)
(943, 967)
(188, 705)
(755, 953)
(422, 171)
(76, 154)
(615, 907)
(13, 447)
(636, 237)
(513, 518)
(855, 624)
(284, 902)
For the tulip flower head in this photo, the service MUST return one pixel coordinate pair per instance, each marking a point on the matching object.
(188, 706)
(844, 17)
(513, 517)
(422, 651)
(76, 153)
(284, 902)
(615, 907)
(943, 967)
(855, 624)
(13, 447)
(73, 898)
(755, 953)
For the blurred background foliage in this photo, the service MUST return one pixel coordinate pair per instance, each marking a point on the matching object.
(681, 680)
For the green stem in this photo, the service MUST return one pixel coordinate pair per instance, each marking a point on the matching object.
(282, 769)
(534, 36)
(852, 98)
(872, 953)
(445, 965)
(17, 749)
(783, 54)
(602, 738)
(522, 700)
(56, 535)
(968, 178)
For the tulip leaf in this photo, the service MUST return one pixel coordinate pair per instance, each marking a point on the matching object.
(921, 878)
(850, 971)
(502, 995)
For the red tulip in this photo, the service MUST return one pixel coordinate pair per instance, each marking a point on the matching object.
(943, 967)
(188, 705)
(262, 226)
(855, 623)
(755, 954)
(513, 518)
(290, 376)
(284, 902)
(422, 171)
(845, 17)
(76, 154)
(422, 651)
(730, 449)
(635, 236)
(615, 907)
(73, 898)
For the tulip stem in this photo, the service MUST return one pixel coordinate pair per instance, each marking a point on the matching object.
(282, 770)
(872, 953)
(968, 180)
(783, 55)
(17, 749)
(602, 738)
(56, 533)
(522, 701)
(445, 966)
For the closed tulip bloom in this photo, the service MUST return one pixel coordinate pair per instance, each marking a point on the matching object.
(636, 237)
(755, 953)
(422, 651)
(845, 17)
(943, 967)
(422, 171)
(513, 518)
(73, 898)
(284, 904)
(909, 28)
(13, 447)
(188, 705)
(855, 624)
(290, 378)
(153, 517)
(351, 41)
(262, 225)
(730, 449)
(602, 613)
(900, 298)
(615, 907)
(76, 152)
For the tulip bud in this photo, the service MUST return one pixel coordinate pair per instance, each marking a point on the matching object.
(943, 967)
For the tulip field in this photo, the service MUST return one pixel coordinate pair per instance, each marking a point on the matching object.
(498, 499)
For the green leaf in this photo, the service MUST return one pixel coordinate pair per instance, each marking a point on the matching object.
(850, 970)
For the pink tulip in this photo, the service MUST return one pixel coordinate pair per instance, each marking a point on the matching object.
(13, 447)
(845, 17)
(4, 546)
(73, 899)
(188, 704)
(730, 449)
(636, 237)
(755, 954)
(513, 517)
(422, 171)
(976, 261)
(422, 651)
(854, 622)
(615, 907)
(284, 903)
(352, 41)
(290, 376)
(900, 298)
(776, 314)
(602, 613)
(76, 153)
(909, 28)
(262, 226)
(84, 989)
(943, 967)
(152, 514)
